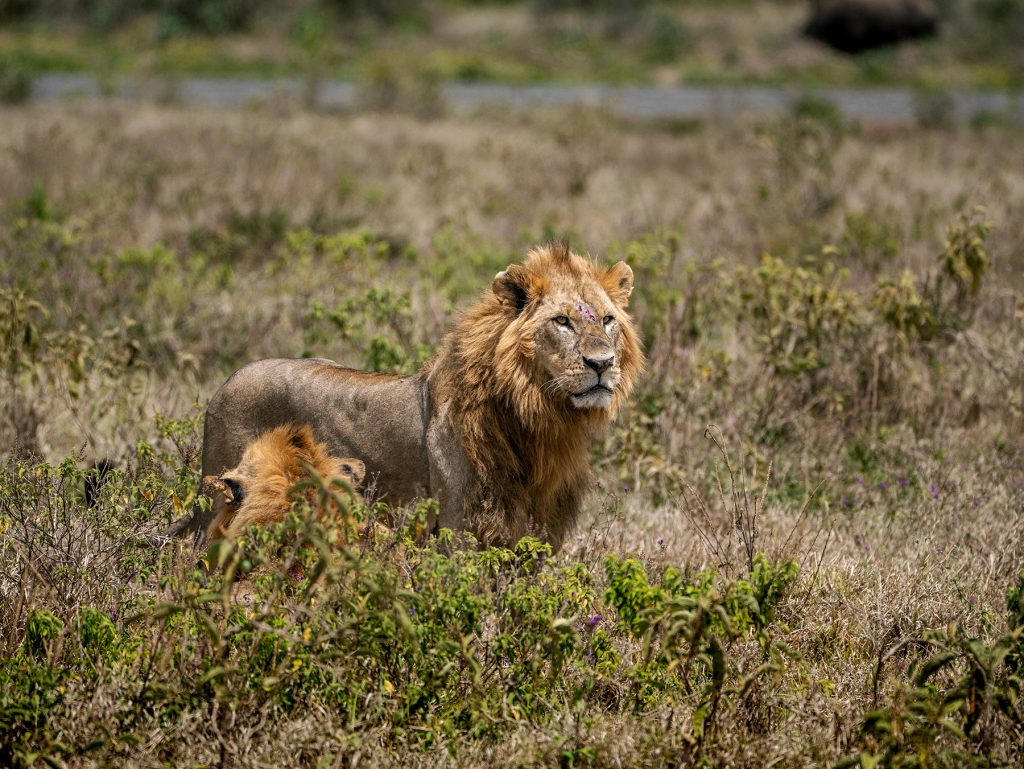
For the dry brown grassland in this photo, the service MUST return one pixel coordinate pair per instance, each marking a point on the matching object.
(869, 397)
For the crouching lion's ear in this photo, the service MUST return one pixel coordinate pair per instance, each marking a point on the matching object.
(213, 486)
(618, 283)
(301, 439)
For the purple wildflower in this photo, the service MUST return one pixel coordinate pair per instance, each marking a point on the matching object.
(883, 485)
(661, 542)
(626, 489)
(592, 622)
(904, 482)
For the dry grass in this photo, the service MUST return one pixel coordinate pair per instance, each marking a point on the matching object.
(902, 504)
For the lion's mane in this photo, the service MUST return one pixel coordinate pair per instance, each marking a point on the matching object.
(528, 450)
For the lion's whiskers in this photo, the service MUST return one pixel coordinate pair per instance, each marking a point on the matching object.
(554, 383)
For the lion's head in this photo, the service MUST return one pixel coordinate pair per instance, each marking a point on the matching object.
(259, 489)
(569, 343)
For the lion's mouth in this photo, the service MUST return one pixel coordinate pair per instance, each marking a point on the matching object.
(598, 388)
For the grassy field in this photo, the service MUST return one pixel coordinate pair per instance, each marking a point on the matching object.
(807, 538)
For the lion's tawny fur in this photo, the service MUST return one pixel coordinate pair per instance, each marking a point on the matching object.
(271, 467)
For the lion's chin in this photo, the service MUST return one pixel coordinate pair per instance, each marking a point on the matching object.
(596, 398)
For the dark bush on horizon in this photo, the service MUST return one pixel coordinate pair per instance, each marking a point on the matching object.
(208, 16)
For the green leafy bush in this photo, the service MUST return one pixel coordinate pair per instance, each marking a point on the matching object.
(431, 641)
(801, 315)
(380, 321)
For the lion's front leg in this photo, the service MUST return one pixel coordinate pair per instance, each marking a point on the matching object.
(451, 475)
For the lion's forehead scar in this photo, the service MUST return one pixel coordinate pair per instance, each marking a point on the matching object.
(585, 311)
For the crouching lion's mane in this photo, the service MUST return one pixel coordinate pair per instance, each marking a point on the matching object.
(262, 488)
(495, 426)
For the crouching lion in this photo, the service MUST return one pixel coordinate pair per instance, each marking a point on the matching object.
(260, 490)
(496, 426)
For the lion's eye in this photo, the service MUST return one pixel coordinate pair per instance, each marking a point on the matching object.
(562, 320)
(608, 319)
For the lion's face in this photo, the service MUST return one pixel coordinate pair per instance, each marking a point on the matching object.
(571, 331)
(578, 341)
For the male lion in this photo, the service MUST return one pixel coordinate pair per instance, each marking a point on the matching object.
(257, 491)
(495, 426)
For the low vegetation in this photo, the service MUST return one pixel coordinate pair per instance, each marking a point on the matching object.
(807, 539)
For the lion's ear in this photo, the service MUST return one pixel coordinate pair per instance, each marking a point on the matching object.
(515, 286)
(236, 489)
(618, 282)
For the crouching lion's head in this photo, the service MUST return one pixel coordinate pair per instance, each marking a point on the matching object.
(260, 490)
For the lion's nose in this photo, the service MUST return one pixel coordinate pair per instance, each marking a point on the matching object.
(600, 365)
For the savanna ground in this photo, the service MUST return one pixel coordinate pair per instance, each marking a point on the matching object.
(806, 540)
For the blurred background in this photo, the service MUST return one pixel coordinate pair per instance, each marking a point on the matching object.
(405, 50)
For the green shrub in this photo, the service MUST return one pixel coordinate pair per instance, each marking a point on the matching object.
(41, 632)
(380, 322)
(801, 315)
(434, 640)
(30, 693)
(685, 628)
(899, 305)
(939, 305)
(965, 259)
